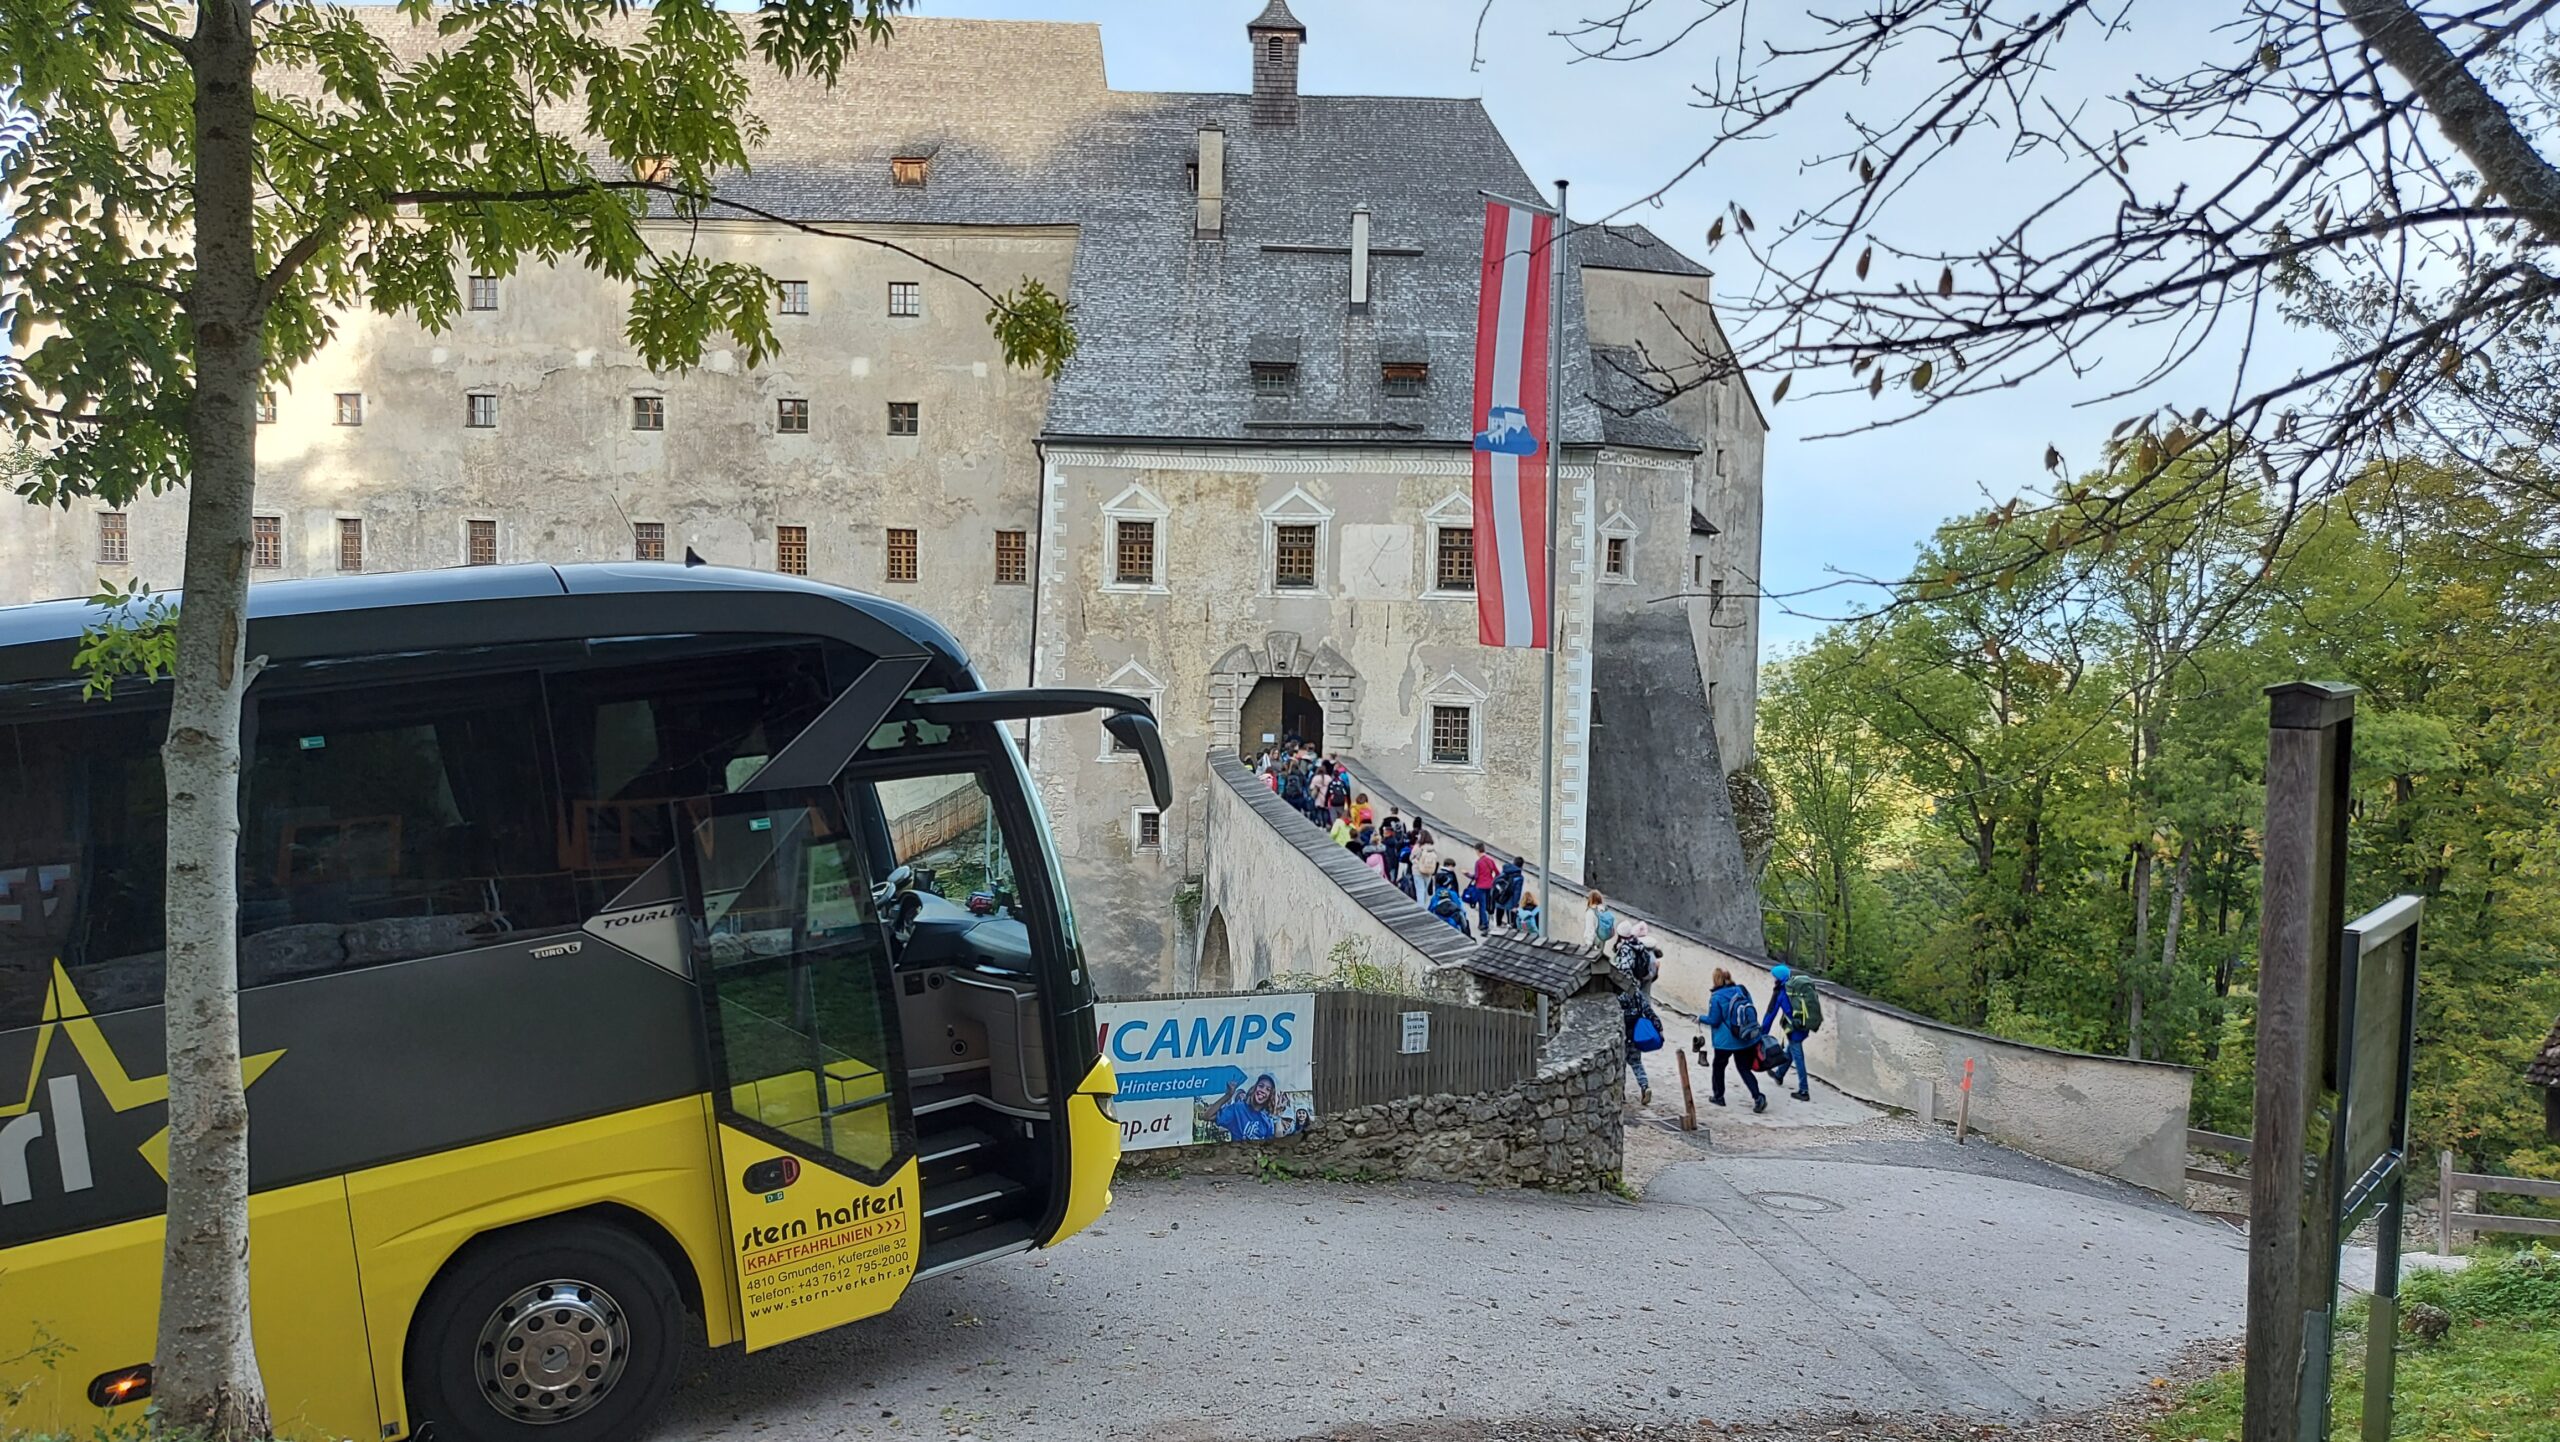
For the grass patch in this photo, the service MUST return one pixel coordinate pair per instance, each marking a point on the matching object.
(2494, 1378)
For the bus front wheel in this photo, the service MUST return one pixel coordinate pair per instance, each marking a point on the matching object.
(563, 1331)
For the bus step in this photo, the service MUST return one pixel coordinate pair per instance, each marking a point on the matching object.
(951, 1153)
(960, 1090)
(974, 1202)
(952, 1252)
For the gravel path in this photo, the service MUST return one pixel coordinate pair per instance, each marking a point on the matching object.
(1822, 1278)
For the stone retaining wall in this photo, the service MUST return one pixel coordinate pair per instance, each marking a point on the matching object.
(1559, 1129)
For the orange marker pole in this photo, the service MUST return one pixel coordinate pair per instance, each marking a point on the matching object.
(1964, 1101)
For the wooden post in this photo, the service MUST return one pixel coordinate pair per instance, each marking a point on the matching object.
(2293, 1254)
(1689, 1098)
(1964, 1101)
(2444, 1204)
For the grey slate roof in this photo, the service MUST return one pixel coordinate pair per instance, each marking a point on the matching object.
(1276, 16)
(1632, 247)
(2545, 1070)
(1631, 403)
(1554, 968)
(1023, 128)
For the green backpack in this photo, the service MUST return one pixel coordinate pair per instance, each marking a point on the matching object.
(1807, 1002)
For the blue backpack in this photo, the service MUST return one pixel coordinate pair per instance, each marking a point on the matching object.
(1743, 1019)
(1647, 1036)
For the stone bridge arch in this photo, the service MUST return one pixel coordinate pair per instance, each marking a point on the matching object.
(1217, 956)
(1283, 655)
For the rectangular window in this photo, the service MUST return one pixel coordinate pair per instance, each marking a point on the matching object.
(795, 297)
(1715, 598)
(113, 549)
(1013, 558)
(1151, 831)
(906, 418)
(484, 292)
(480, 543)
(648, 413)
(909, 170)
(1453, 736)
(1293, 558)
(393, 822)
(351, 408)
(791, 550)
(906, 297)
(1133, 553)
(1613, 555)
(1453, 562)
(791, 417)
(350, 544)
(1697, 570)
(266, 408)
(1405, 379)
(1274, 378)
(902, 554)
(266, 542)
(648, 540)
(480, 411)
(83, 823)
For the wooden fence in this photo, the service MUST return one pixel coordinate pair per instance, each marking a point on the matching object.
(1361, 1036)
(2449, 1181)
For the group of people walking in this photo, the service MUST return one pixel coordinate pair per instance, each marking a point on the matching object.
(1493, 893)
(1744, 1038)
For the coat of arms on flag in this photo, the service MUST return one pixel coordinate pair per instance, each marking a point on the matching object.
(1512, 427)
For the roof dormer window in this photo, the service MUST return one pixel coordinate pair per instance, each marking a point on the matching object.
(909, 170)
(1405, 379)
(1275, 378)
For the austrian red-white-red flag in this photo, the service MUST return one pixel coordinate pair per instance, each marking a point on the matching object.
(1512, 427)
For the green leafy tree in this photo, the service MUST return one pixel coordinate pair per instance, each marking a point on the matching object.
(209, 186)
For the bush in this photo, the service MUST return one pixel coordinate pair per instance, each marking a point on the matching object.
(2521, 1288)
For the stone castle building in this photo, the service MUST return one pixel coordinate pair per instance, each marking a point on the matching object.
(1246, 498)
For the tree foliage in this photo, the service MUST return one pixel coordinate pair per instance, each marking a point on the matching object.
(1970, 784)
(198, 193)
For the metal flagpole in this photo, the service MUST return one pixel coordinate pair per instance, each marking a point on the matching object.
(1547, 907)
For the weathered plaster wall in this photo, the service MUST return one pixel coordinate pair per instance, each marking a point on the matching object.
(1561, 1129)
(563, 473)
(1387, 646)
(1660, 315)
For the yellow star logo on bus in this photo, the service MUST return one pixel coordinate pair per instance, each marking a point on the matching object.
(66, 1013)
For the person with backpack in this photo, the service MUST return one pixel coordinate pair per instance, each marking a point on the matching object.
(1338, 800)
(1506, 893)
(1639, 958)
(1487, 871)
(1604, 922)
(1734, 1031)
(1644, 1034)
(1795, 1011)
(1446, 903)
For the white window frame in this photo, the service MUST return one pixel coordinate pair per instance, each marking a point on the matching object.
(1295, 509)
(497, 540)
(1135, 680)
(1452, 689)
(1617, 528)
(1137, 846)
(1456, 511)
(1137, 503)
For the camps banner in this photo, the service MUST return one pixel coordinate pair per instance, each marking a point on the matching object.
(1212, 1069)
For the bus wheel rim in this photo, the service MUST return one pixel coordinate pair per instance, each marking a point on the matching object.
(553, 1351)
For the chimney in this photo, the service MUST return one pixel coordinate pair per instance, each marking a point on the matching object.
(1360, 261)
(1209, 173)
(1276, 36)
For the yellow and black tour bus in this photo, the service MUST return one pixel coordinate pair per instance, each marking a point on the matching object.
(627, 954)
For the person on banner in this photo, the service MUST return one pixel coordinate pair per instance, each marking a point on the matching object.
(1257, 1113)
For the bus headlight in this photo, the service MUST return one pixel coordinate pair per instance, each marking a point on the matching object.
(1109, 1104)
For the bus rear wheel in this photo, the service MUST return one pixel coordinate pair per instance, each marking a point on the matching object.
(564, 1331)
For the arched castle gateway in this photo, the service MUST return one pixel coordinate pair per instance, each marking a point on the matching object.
(1256, 694)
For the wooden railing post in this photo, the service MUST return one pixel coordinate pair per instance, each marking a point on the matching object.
(2444, 1204)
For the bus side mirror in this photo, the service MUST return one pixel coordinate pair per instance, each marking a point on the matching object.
(1137, 731)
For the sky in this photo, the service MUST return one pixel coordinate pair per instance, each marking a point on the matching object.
(1848, 507)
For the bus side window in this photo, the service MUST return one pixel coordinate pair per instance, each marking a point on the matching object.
(82, 859)
(391, 822)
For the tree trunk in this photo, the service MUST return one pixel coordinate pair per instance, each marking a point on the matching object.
(2141, 946)
(2179, 876)
(206, 1369)
(2469, 114)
